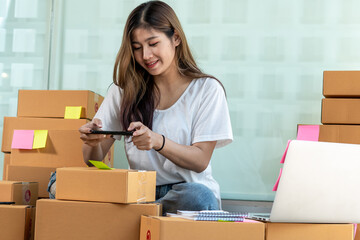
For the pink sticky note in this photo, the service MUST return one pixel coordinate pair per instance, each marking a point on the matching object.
(277, 182)
(355, 228)
(284, 155)
(308, 132)
(23, 139)
(250, 221)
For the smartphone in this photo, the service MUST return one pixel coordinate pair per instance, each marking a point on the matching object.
(125, 133)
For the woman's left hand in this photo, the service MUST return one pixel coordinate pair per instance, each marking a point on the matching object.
(143, 138)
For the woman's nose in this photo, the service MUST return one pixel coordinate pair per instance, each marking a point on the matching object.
(147, 53)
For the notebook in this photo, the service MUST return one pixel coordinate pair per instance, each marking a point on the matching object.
(319, 184)
(210, 215)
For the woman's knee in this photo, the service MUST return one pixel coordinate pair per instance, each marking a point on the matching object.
(197, 196)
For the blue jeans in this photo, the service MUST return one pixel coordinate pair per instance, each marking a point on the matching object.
(185, 196)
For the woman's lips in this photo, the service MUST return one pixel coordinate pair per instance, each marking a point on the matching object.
(151, 64)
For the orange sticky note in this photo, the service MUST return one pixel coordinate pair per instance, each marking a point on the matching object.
(40, 137)
(73, 112)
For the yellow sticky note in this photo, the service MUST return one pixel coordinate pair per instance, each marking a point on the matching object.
(40, 137)
(100, 165)
(73, 112)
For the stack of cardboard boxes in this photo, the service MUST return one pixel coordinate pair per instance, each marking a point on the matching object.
(340, 113)
(17, 201)
(97, 204)
(45, 110)
(27, 170)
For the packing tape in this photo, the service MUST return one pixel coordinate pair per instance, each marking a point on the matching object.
(96, 97)
(142, 182)
(26, 193)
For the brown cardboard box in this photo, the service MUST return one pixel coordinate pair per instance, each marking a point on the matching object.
(57, 219)
(21, 123)
(22, 193)
(63, 149)
(52, 103)
(338, 133)
(17, 222)
(31, 174)
(297, 231)
(166, 228)
(357, 234)
(117, 185)
(341, 84)
(340, 111)
(6, 163)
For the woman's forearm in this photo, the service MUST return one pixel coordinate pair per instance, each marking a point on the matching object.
(195, 157)
(97, 152)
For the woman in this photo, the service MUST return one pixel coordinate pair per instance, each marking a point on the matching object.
(178, 114)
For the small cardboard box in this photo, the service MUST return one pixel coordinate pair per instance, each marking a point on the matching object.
(340, 111)
(357, 234)
(334, 133)
(63, 149)
(6, 163)
(341, 84)
(17, 222)
(116, 186)
(31, 174)
(52, 103)
(340, 133)
(299, 231)
(22, 193)
(57, 219)
(165, 228)
(19, 123)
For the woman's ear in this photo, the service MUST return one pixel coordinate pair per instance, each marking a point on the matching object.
(177, 39)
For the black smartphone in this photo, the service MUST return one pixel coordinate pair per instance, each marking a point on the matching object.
(125, 133)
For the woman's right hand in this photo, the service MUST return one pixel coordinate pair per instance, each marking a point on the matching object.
(92, 139)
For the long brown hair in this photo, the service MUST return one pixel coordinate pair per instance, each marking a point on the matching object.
(140, 93)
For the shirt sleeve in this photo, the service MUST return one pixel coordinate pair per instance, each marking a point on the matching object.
(109, 111)
(212, 119)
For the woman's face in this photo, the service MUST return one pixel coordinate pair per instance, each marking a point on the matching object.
(154, 51)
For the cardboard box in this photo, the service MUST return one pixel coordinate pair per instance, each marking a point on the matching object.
(337, 133)
(165, 228)
(357, 234)
(22, 193)
(63, 149)
(117, 185)
(6, 163)
(340, 111)
(52, 103)
(341, 84)
(20, 123)
(31, 174)
(297, 231)
(57, 219)
(340, 133)
(17, 222)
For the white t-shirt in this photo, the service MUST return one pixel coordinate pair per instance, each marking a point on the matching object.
(200, 114)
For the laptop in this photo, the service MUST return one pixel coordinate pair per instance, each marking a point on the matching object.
(319, 184)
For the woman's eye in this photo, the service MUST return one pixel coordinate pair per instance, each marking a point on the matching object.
(153, 44)
(136, 48)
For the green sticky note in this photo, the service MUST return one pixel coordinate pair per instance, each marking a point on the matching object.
(40, 137)
(100, 165)
(73, 112)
